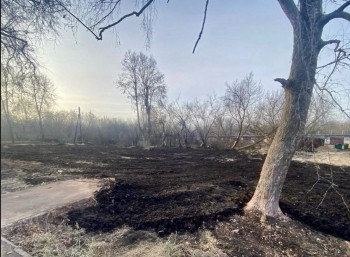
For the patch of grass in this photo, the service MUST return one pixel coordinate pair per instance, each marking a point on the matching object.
(71, 244)
(171, 248)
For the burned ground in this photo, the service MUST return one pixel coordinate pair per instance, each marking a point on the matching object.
(168, 190)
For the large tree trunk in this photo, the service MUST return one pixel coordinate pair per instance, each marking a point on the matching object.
(298, 91)
(274, 171)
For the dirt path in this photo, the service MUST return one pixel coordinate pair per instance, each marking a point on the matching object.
(30, 202)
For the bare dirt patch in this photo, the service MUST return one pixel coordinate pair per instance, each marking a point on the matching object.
(325, 155)
(186, 192)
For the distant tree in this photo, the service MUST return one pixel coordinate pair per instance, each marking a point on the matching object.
(224, 130)
(161, 125)
(333, 126)
(203, 114)
(142, 82)
(24, 25)
(240, 99)
(9, 88)
(23, 114)
(60, 125)
(129, 82)
(42, 92)
(181, 122)
(319, 112)
(153, 89)
(267, 115)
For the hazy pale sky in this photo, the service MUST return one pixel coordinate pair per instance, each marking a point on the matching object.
(240, 37)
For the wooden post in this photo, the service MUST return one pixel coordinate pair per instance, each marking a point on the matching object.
(81, 134)
(76, 129)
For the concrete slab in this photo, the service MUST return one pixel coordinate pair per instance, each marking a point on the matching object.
(8, 249)
(33, 201)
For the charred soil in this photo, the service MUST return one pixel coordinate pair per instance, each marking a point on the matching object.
(179, 190)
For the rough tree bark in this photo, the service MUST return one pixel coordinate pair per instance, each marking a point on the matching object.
(307, 22)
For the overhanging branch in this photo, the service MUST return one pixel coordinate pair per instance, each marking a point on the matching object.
(137, 14)
(75, 17)
(338, 13)
(341, 54)
(328, 42)
(108, 14)
(201, 32)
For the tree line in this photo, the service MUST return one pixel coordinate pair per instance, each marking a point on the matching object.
(244, 116)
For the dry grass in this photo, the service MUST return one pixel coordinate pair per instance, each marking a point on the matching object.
(341, 158)
(42, 239)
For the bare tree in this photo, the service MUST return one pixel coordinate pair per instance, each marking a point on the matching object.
(153, 89)
(308, 20)
(25, 23)
(267, 115)
(8, 91)
(142, 82)
(22, 96)
(22, 113)
(336, 126)
(180, 119)
(203, 115)
(224, 130)
(161, 126)
(240, 99)
(319, 112)
(129, 82)
(42, 92)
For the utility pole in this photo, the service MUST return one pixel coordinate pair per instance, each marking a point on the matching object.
(76, 138)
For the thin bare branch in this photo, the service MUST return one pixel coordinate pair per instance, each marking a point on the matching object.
(331, 183)
(137, 14)
(343, 57)
(334, 101)
(75, 17)
(105, 17)
(201, 32)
